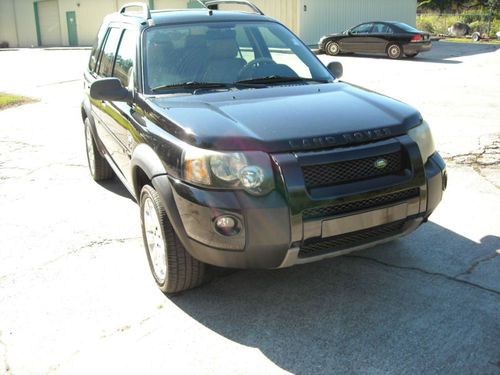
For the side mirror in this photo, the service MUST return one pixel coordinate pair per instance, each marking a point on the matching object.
(109, 89)
(336, 69)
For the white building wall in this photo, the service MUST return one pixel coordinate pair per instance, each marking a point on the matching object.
(322, 17)
(17, 23)
(285, 11)
(8, 32)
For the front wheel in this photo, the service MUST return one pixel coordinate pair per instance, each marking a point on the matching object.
(332, 48)
(394, 51)
(173, 268)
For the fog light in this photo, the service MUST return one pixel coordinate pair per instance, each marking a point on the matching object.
(226, 225)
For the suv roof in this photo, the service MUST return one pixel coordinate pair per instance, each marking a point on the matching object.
(174, 16)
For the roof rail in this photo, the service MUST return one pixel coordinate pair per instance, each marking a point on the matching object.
(212, 4)
(146, 13)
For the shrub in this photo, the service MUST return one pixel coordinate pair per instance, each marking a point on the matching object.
(479, 26)
(425, 25)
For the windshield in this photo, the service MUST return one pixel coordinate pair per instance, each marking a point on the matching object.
(227, 54)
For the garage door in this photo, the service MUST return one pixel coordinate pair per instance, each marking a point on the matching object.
(50, 28)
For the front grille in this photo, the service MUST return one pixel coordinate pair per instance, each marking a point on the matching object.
(344, 241)
(351, 170)
(320, 212)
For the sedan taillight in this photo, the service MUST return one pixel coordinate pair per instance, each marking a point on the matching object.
(416, 38)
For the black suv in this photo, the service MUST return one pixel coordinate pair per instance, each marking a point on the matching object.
(243, 149)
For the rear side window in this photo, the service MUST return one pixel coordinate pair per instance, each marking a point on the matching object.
(380, 28)
(124, 65)
(109, 53)
(96, 48)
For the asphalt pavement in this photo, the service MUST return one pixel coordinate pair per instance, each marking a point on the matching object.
(76, 295)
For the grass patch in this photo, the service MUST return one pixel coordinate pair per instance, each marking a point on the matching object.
(11, 100)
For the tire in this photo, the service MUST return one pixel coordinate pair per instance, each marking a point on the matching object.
(394, 51)
(332, 48)
(98, 166)
(411, 55)
(173, 268)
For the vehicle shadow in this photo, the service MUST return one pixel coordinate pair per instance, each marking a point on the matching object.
(115, 186)
(356, 314)
(441, 53)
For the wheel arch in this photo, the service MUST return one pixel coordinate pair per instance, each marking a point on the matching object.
(145, 165)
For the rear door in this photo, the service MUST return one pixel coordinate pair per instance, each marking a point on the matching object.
(381, 34)
(120, 115)
(100, 108)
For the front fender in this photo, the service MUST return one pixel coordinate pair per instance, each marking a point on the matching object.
(145, 159)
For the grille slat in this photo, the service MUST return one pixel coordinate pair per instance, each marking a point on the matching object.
(343, 241)
(350, 171)
(321, 212)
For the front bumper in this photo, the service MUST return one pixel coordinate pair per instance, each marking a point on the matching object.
(277, 230)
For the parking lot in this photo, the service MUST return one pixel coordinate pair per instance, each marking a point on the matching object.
(76, 295)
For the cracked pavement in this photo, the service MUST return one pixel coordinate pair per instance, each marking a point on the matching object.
(76, 296)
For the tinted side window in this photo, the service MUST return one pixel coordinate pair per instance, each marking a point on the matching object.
(96, 48)
(362, 29)
(109, 52)
(125, 58)
(380, 28)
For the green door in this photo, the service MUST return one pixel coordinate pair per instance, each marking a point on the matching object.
(71, 22)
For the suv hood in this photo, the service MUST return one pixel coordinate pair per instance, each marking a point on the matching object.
(282, 118)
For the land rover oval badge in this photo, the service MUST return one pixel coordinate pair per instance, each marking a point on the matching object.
(380, 163)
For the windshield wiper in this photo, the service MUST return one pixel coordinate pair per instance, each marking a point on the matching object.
(280, 79)
(192, 85)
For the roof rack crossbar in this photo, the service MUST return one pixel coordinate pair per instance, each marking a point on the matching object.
(146, 13)
(211, 4)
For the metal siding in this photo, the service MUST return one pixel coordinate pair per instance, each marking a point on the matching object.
(329, 16)
(8, 31)
(284, 11)
(171, 4)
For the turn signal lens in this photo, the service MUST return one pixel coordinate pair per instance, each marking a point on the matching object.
(196, 170)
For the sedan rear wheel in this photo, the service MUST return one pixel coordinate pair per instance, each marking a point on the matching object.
(394, 51)
(332, 48)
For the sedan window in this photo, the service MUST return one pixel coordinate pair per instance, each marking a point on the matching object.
(380, 28)
(362, 29)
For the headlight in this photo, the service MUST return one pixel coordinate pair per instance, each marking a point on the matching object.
(250, 171)
(422, 136)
